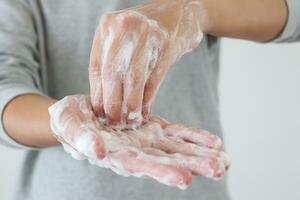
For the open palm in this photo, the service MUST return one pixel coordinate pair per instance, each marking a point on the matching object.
(169, 153)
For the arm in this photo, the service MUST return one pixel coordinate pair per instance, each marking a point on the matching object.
(23, 118)
(27, 121)
(252, 20)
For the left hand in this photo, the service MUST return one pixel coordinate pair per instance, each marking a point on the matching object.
(169, 153)
(133, 50)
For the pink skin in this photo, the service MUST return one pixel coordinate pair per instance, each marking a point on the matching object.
(193, 135)
(166, 152)
(76, 120)
(176, 175)
(132, 51)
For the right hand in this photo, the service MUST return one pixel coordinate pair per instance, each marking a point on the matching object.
(169, 153)
(132, 51)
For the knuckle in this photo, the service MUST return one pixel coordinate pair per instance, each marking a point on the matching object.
(124, 20)
(144, 24)
(135, 79)
(105, 18)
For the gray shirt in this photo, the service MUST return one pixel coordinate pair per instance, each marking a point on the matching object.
(45, 48)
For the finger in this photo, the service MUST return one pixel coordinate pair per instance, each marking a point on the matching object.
(134, 82)
(75, 154)
(208, 167)
(161, 121)
(112, 82)
(155, 79)
(173, 145)
(152, 134)
(164, 173)
(194, 135)
(69, 149)
(95, 70)
(112, 96)
(69, 117)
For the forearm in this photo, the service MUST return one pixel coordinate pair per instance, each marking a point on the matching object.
(27, 121)
(246, 19)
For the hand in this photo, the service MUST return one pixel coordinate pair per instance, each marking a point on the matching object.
(133, 50)
(169, 153)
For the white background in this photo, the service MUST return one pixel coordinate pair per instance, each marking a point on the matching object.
(260, 107)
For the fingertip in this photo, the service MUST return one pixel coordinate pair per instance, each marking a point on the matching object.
(99, 148)
(98, 109)
(146, 112)
(179, 177)
(226, 160)
(113, 113)
(218, 143)
(216, 169)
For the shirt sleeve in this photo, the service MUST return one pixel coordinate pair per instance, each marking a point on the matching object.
(291, 32)
(19, 66)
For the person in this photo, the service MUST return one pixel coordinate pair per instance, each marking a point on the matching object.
(44, 52)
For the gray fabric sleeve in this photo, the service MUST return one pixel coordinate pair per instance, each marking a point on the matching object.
(19, 66)
(291, 32)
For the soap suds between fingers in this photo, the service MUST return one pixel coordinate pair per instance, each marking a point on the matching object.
(141, 142)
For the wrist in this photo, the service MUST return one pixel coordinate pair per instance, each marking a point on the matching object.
(198, 9)
(201, 9)
(253, 20)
